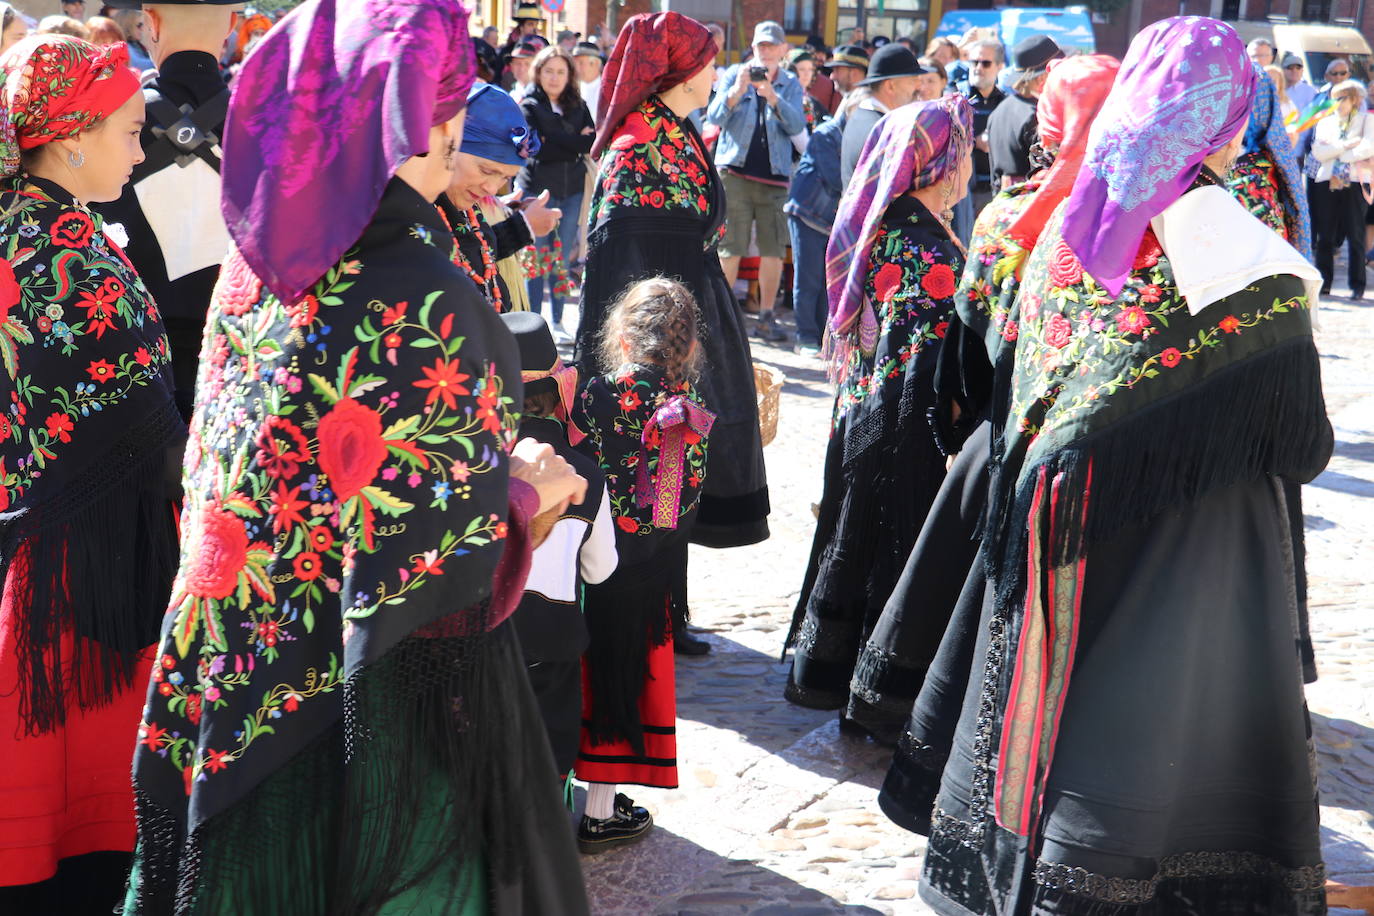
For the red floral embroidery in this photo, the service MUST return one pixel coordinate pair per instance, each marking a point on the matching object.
(627, 524)
(9, 289)
(1147, 255)
(445, 382)
(59, 426)
(1132, 320)
(100, 370)
(72, 230)
(939, 282)
(633, 132)
(216, 554)
(1058, 331)
(1064, 268)
(351, 447)
(1229, 324)
(1170, 357)
(238, 288)
(887, 281)
(303, 312)
(281, 458)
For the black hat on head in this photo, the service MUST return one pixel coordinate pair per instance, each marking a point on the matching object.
(525, 11)
(1032, 56)
(847, 56)
(538, 352)
(588, 49)
(890, 62)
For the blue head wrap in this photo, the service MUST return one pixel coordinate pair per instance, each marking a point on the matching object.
(1265, 134)
(496, 127)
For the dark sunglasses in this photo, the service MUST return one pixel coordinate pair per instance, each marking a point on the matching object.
(1340, 74)
(983, 63)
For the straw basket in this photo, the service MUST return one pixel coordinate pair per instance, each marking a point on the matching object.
(768, 384)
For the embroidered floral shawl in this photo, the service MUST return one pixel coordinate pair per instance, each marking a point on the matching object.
(346, 486)
(1123, 407)
(88, 430)
(653, 162)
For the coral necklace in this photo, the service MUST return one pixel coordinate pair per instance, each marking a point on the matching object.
(486, 280)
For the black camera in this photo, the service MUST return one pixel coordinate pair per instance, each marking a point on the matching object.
(758, 74)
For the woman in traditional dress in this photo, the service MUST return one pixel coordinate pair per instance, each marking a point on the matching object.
(1266, 177)
(941, 578)
(1133, 737)
(657, 210)
(339, 719)
(496, 145)
(891, 271)
(89, 443)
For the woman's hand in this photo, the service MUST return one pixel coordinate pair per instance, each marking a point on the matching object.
(540, 217)
(552, 478)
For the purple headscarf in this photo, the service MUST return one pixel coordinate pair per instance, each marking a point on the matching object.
(332, 101)
(913, 147)
(1184, 92)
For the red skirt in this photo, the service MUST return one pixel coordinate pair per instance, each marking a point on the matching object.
(67, 792)
(616, 761)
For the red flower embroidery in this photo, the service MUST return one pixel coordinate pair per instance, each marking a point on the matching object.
(286, 508)
(72, 229)
(941, 328)
(1009, 331)
(629, 401)
(656, 198)
(112, 288)
(142, 356)
(444, 381)
(1151, 293)
(9, 289)
(887, 281)
(100, 371)
(303, 311)
(151, 736)
(214, 760)
(1170, 357)
(1058, 331)
(634, 132)
(1229, 324)
(351, 448)
(320, 538)
(279, 458)
(627, 524)
(1064, 267)
(1132, 320)
(238, 288)
(307, 566)
(193, 708)
(939, 281)
(216, 554)
(487, 401)
(394, 314)
(1147, 255)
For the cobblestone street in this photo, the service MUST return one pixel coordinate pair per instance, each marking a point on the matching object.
(777, 812)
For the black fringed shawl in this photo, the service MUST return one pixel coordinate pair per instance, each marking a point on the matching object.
(1123, 408)
(326, 656)
(88, 436)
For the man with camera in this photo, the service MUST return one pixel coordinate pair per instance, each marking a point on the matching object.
(758, 113)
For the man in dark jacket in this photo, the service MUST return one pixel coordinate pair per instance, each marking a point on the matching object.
(170, 209)
(892, 81)
(812, 200)
(1013, 128)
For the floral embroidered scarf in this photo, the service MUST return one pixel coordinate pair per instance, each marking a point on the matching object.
(654, 162)
(87, 433)
(346, 488)
(1267, 178)
(1123, 407)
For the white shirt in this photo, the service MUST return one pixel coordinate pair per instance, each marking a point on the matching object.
(591, 94)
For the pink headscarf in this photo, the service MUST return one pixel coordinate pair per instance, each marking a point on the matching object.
(327, 107)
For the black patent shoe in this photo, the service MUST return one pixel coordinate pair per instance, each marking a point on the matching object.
(628, 824)
(685, 643)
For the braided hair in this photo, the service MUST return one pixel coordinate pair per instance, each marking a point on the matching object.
(654, 323)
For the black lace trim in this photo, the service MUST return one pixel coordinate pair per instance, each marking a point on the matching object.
(987, 717)
(926, 756)
(1138, 891)
(945, 826)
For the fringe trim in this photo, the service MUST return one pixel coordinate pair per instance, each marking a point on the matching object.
(1264, 415)
(408, 792)
(95, 564)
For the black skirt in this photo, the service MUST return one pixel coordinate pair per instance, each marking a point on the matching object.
(1181, 780)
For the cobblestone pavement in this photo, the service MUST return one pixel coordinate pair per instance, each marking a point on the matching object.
(777, 811)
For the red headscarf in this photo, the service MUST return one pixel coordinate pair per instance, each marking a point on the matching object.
(91, 84)
(1074, 92)
(654, 52)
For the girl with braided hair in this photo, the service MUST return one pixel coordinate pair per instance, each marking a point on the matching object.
(647, 428)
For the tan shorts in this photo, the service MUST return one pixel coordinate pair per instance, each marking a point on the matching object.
(753, 204)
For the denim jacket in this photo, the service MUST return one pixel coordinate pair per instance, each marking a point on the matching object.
(814, 194)
(737, 124)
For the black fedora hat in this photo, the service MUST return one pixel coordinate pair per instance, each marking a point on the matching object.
(847, 56)
(588, 49)
(1032, 56)
(890, 62)
(538, 352)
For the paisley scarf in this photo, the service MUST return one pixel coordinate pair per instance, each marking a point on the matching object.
(1183, 93)
(913, 147)
(1268, 173)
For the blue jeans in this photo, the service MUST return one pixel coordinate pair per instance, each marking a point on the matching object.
(809, 301)
(567, 233)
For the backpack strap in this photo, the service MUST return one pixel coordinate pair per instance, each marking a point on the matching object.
(182, 134)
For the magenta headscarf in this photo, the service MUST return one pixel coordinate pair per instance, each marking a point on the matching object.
(330, 103)
(1183, 93)
(912, 147)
